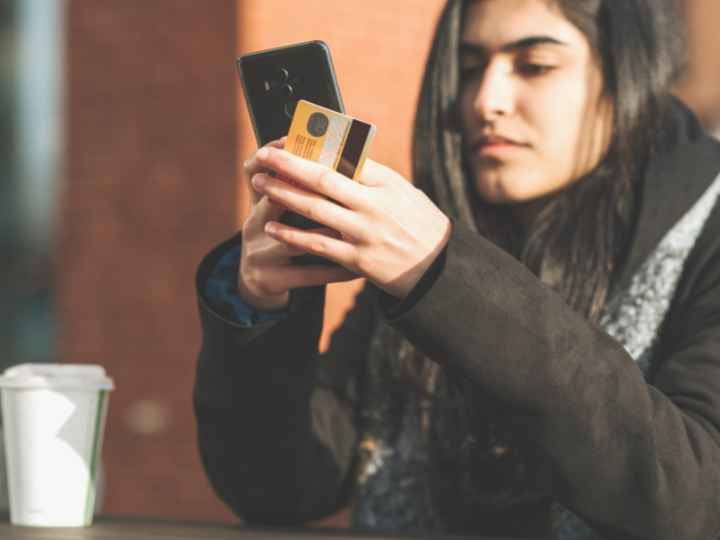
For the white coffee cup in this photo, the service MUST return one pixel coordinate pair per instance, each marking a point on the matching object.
(54, 420)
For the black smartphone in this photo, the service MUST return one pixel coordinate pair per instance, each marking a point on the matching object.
(273, 81)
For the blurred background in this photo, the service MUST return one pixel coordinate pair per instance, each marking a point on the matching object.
(122, 131)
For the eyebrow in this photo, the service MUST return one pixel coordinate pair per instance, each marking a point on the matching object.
(524, 43)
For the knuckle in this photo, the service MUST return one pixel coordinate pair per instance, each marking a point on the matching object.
(250, 264)
(287, 235)
(252, 223)
(358, 260)
(325, 180)
(369, 236)
(249, 272)
(366, 199)
(277, 157)
(267, 288)
(319, 245)
(313, 211)
(420, 193)
(261, 282)
(258, 272)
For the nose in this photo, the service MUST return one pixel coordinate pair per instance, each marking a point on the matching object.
(495, 95)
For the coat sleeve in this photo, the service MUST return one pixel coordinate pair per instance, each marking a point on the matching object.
(276, 425)
(635, 460)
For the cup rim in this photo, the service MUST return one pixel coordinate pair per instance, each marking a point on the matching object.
(91, 377)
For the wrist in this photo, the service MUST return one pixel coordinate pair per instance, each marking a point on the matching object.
(402, 288)
(262, 302)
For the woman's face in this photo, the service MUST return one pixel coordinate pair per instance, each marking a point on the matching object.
(534, 116)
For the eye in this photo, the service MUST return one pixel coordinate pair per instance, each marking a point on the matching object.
(471, 63)
(471, 70)
(530, 69)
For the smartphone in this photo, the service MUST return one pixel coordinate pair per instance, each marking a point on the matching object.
(273, 82)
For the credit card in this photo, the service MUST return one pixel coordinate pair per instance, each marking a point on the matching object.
(330, 138)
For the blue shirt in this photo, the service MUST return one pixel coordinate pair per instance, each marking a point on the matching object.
(221, 291)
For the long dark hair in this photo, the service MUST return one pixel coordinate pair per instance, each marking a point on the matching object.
(580, 235)
(577, 240)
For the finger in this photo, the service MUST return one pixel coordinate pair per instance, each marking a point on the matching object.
(255, 194)
(372, 173)
(311, 205)
(274, 252)
(293, 277)
(263, 211)
(314, 242)
(278, 252)
(251, 167)
(314, 177)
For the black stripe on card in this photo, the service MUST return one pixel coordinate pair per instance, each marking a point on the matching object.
(354, 145)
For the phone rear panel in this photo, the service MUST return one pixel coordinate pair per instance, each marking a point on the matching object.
(276, 79)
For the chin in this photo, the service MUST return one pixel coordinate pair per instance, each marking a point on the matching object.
(499, 192)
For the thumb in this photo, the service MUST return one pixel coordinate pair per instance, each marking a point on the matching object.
(268, 211)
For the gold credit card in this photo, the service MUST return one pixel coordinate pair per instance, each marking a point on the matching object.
(330, 138)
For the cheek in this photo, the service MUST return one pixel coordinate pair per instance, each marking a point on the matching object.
(558, 128)
(465, 109)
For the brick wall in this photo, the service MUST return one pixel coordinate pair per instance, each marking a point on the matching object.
(701, 86)
(149, 185)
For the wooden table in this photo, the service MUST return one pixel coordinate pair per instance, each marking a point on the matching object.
(138, 529)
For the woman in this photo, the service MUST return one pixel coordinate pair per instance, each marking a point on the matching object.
(537, 349)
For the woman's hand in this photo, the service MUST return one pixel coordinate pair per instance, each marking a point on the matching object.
(266, 273)
(389, 231)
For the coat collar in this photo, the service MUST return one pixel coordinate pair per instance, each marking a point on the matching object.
(683, 168)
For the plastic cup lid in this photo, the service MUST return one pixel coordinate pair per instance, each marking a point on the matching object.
(76, 376)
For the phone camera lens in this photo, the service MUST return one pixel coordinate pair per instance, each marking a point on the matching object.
(282, 91)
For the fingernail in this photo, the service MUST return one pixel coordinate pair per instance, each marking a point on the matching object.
(270, 228)
(263, 153)
(259, 180)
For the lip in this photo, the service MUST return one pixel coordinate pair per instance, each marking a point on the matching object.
(495, 144)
